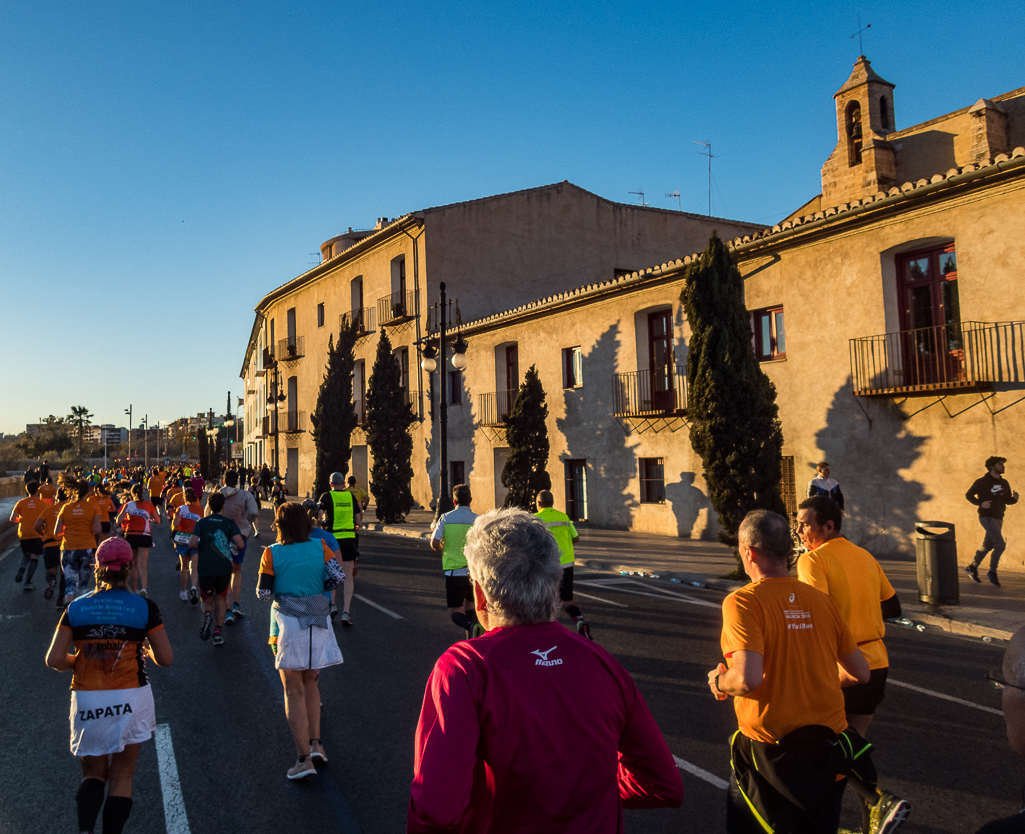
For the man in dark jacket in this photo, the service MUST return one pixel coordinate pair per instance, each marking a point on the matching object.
(991, 494)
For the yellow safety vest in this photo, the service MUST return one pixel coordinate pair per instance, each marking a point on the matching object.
(343, 525)
(562, 529)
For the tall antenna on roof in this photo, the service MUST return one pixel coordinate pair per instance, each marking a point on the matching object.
(641, 195)
(861, 46)
(708, 153)
(679, 201)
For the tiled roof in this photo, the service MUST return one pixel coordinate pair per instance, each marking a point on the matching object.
(907, 191)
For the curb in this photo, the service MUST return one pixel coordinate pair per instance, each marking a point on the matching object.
(395, 530)
(960, 627)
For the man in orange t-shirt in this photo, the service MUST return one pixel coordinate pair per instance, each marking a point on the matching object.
(25, 513)
(783, 641)
(47, 491)
(864, 596)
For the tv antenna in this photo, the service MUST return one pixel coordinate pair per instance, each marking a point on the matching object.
(316, 262)
(641, 195)
(679, 202)
(708, 153)
(861, 47)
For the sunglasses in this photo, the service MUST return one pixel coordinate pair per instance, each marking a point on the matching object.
(997, 677)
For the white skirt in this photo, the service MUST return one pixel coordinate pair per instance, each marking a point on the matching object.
(103, 721)
(305, 648)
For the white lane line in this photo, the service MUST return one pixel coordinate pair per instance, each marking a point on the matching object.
(362, 598)
(662, 595)
(599, 599)
(960, 701)
(711, 778)
(174, 806)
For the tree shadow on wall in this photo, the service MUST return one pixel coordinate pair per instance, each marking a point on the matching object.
(592, 432)
(687, 502)
(460, 435)
(867, 454)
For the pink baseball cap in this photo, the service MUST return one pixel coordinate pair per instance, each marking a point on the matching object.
(113, 552)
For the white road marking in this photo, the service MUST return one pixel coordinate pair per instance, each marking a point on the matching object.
(174, 806)
(960, 701)
(711, 778)
(648, 593)
(362, 598)
(599, 599)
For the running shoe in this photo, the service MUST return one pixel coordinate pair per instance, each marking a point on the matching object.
(218, 639)
(888, 813)
(346, 619)
(584, 630)
(51, 583)
(229, 618)
(317, 752)
(973, 571)
(334, 612)
(300, 770)
(208, 623)
(143, 594)
(236, 611)
(992, 577)
(19, 574)
(28, 586)
(193, 595)
(184, 596)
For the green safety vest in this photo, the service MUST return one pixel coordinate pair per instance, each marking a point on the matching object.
(562, 529)
(453, 541)
(343, 524)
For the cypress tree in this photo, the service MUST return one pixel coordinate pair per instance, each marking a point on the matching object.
(335, 417)
(389, 418)
(526, 471)
(734, 421)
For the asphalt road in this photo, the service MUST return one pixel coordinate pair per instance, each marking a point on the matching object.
(223, 711)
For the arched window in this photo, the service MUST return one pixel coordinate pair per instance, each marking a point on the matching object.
(853, 122)
(885, 119)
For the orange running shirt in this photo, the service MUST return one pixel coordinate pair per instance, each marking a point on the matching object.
(26, 511)
(47, 492)
(105, 504)
(77, 518)
(49, 517)
(155, 484)
(800, 635)
(185, 518)
(138, 516)
(856, 583)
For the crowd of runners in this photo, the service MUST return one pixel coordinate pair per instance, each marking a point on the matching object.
(804, 656)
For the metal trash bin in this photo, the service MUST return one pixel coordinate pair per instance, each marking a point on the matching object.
(936, 554)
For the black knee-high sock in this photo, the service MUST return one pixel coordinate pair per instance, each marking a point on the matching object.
(32, 565)
(461, 620)
(575, 612)
(24, 561)
(90, 800)
(115, 814)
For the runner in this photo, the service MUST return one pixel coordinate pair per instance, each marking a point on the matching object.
(136, 518)
(212, 538)
(449, 539)
(341, 517)
(155, 485)
(78, 525)
(174, 497)
(318, 532)
(45, 526)
(240, 507)
(183, 523)
(566, 536)
(108, 510)
(362, 500)
(25, 513)
(47, 491)
(254, 490)
(104, 638)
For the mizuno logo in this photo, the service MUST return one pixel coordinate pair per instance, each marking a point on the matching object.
(543, 658)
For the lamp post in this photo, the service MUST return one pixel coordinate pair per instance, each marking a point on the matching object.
(128, 411)
(276, 396)
(145, 441)
(430, 364)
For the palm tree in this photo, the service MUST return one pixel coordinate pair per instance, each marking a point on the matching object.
(80, 418)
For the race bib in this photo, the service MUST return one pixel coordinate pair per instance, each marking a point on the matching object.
(182, 538)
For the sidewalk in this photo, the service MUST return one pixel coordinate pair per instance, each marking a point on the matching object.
(985, 610)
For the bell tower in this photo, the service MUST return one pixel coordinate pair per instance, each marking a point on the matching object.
(862, 162)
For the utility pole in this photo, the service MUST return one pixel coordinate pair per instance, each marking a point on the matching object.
(145, 441)
(128, 411)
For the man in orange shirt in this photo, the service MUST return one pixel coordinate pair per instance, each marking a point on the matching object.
(25, 513)
(47, 491)
(855, 581)
(783, 640)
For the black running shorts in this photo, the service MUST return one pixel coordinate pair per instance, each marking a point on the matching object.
(52, 556)
(137, 540)
(214, 586)
(32, 547)
(863, 698)
(458, 590)
(566, 584)
(347, 550)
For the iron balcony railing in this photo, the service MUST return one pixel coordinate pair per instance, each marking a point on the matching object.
(270, 424)
(650, 393)
(360, 407)
(363, 317)
(964, 355)
(294, 347)
(398, 307)
(411, 397)
(294, 422)
(494, 407)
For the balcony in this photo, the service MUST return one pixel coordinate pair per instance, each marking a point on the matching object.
(269, 426)
(411, 397)
(266, 361)
(398, 308)
(656, 393)
(363, 317)
(291, 349)
(294, 422)
(968, 356)
(493, 408)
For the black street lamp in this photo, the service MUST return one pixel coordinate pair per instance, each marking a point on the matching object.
(429, 363)
(277, 395)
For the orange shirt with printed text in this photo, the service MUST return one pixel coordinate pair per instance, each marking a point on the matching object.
(26, 511)
(77, 518)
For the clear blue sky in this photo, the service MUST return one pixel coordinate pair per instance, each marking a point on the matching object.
(162, 166)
